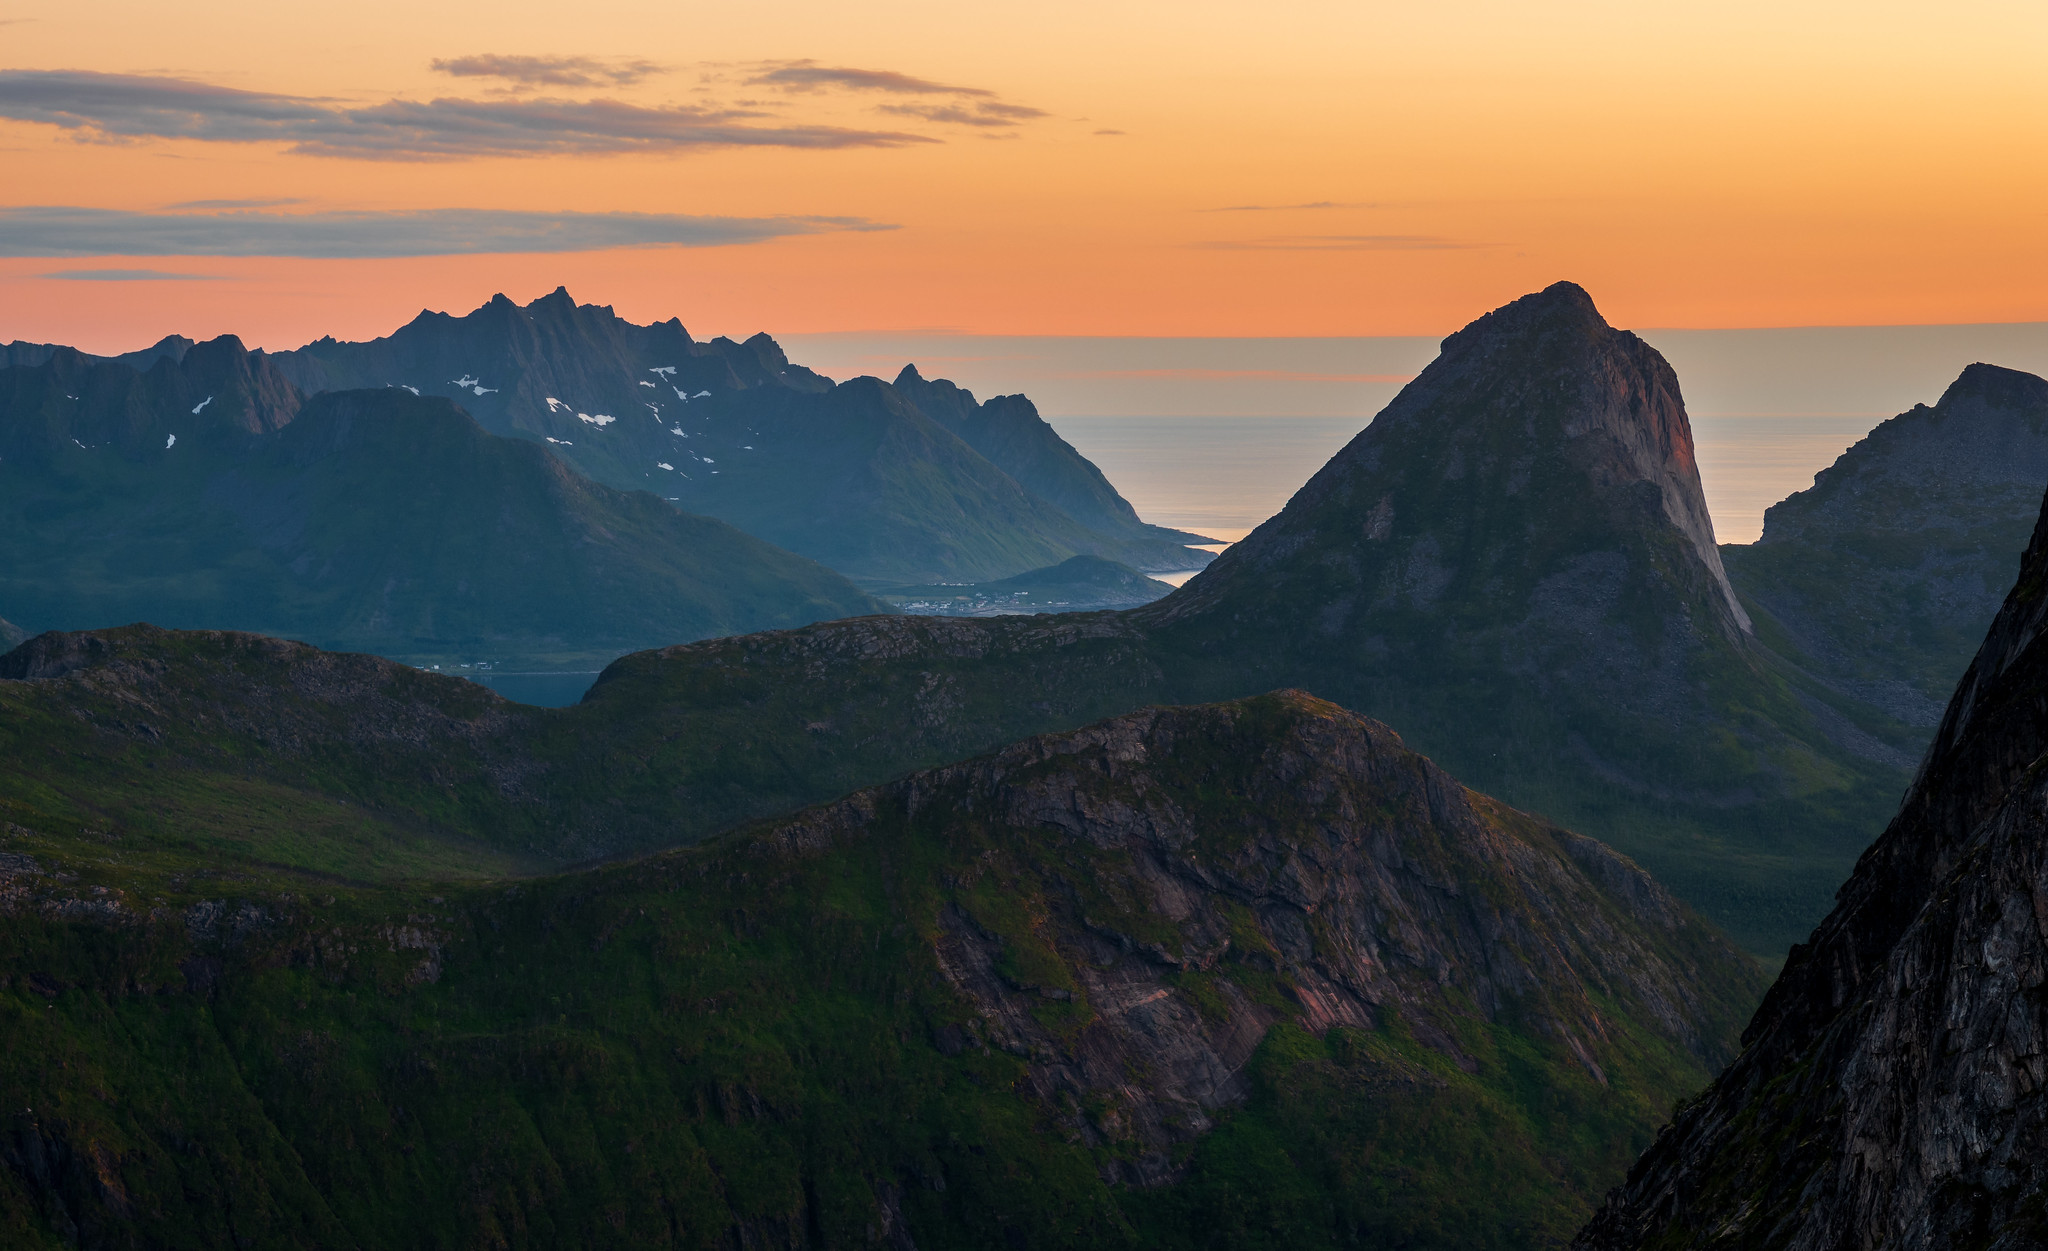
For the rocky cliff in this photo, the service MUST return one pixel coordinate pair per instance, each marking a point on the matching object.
(1883, 577)
(1889, 1091)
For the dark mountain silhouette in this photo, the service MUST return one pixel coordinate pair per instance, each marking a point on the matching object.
(1883, 577)
(856, 475)
(205, 492)
(1887, 1093)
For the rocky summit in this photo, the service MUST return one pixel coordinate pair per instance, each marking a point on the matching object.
(1890, 1090)
(1883, 577)
(1248, 975)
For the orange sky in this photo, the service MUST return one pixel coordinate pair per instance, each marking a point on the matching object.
(1692, 164)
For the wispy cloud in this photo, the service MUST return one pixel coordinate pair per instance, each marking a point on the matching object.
(127, 275)
(986, 113)
(1236, 375)
(127, 106)
(1338, 243)
(811, 76)
(66, 231)
(235, 204)
(969, 106)
(528, 72)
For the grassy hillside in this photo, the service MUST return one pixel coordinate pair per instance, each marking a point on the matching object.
(269, 981)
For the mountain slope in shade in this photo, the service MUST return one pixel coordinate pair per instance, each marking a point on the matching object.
(1884, 576)
(855, 476)
(201, 493)
(1071, 994)
(1009, 432)
(1890, 1089)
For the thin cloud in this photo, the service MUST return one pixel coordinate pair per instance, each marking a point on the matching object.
(110, 107)
(1109, 132)
(234, 204)
(1339, 243)
(528, 72)
(811, 76)
(984, 114)
(67, 231)
(128, 275)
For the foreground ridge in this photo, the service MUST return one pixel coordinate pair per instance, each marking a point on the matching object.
(1890, 1089)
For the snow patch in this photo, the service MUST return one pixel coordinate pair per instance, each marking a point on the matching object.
(201, 404)
(662, 464)
(665, 370)
(645, 383)
(552, 439)
(700, 395)
(554, 404)
(600, 420)
(170, 443)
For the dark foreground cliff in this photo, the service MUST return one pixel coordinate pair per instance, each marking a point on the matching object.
(1249, 974)
(1890, 1092)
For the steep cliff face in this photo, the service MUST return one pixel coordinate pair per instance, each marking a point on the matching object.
(1890, 1089)
(1883, 577)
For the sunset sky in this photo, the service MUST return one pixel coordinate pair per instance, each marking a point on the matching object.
(284, 171)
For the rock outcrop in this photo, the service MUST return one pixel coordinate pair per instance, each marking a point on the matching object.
(1890, 1091)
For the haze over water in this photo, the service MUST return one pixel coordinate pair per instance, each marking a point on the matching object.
(1215, 434)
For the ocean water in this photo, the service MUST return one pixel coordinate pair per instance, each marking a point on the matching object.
(1222, 476)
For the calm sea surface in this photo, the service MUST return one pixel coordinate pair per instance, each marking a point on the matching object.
(1221, 476)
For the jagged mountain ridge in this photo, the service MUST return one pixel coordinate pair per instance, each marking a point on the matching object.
(856, 475)
(1889, 1091)
(1060, 994)
(204, 491)
(1885, 574)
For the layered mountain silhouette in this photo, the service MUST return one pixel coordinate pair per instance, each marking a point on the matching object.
(1512, 563)
(857, 476)
(1884, 576)
(205, 491)
(1250, 973)
(1888, 1091)
(1074, 585)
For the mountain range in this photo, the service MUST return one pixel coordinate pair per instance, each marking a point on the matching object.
(207, 490)
(1513, 564)
(1063, 930)
(888, 484)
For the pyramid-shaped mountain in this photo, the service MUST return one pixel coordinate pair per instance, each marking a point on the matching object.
(1890, 1091)
(205, 491)
(1883, 577)
(1514, 564)
(855, 475)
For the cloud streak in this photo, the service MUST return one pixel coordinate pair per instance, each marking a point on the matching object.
(114, 107)
(1287, 208)
(529, 72)
(56, 231)
(811, 76)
